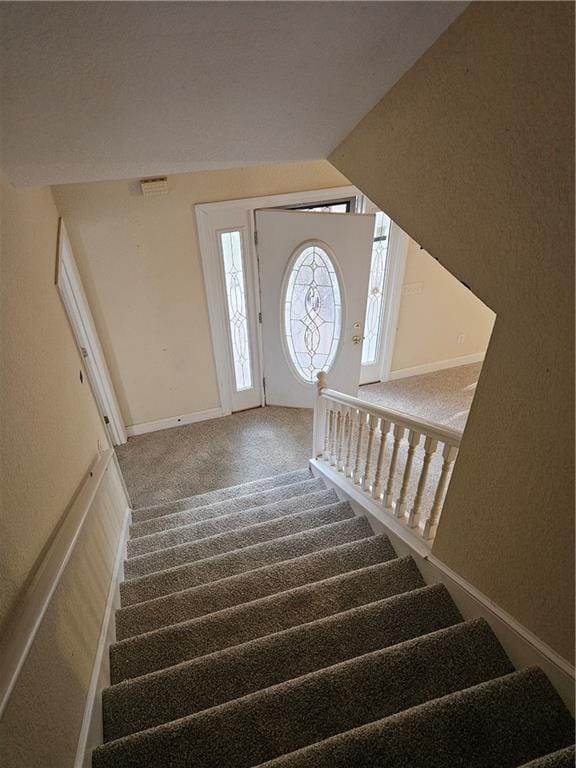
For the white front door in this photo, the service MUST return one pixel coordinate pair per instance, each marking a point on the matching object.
(314, 270)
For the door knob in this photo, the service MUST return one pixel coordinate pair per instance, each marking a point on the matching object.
(357, 339)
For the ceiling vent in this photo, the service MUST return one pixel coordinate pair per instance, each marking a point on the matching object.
(156, 186)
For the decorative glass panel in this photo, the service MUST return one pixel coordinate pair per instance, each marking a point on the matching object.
(375, 303)
(233, 259)
(312, 313)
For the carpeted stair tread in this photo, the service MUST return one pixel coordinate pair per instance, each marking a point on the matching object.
(293, 714)
(245, 587)
(221, 509)
(240, 561)
(501, 723)
(231, 541)
(563, 758)
(231, 522)
(234, 672)
(220, 494)
(168, 646)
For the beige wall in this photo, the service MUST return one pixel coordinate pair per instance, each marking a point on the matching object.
(141, 268)
(430, 321)
(41, 725)
(50, 430)
(50, 427)
(472, 154)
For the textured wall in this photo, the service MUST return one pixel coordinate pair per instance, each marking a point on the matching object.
(49, 424)
(472, 154)
(430, 321)
(41, 724)
(141, 268)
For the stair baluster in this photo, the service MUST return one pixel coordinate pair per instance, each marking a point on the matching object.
(449, 455)
(398, 435)
(348, 468)
(336, 440)
(372, 421)
(361, 422)
(413, 440)
(377, 487)
(430, 446)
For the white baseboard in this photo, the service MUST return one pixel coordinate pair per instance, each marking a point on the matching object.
(524, 649)
(173, 421)
(439, 365)
(91, 731)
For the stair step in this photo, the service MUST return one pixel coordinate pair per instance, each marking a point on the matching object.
(181, 642)
(205, 682)
(268, 580)
(221, 509)
(231, 541)
(232, 522)
(240, 561)
(221, 494)
(293, 714)
(564, 758)
(497, 724)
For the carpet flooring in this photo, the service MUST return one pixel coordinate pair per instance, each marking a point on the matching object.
(274, 628)
(172, 464)
(443, 397)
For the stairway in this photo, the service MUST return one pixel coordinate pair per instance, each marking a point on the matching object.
(266, 625)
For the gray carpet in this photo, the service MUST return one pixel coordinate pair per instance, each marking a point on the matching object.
(285, 633)
(162, 467)
(175, 463)
(443, 397)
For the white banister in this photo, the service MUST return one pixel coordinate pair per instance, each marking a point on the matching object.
(390, 456)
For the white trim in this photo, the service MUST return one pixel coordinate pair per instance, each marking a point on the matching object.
(91, 731)
(397, 255)
(281, 200)
(173, 421)
(35, 601)
(227, 214)
(78, 310)
(522, 646)
(439, 365)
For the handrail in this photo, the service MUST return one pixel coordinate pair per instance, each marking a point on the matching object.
(401, 462)
(26, 620)
(430, 429)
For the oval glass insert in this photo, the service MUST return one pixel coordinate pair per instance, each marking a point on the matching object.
(312, 313)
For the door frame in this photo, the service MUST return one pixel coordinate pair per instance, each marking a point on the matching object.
(228, 214)
(392, 298)
(71, 292)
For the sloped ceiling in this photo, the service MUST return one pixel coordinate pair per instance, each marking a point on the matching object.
(110, 90)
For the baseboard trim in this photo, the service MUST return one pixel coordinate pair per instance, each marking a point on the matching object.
(439, 365)
(523, 647)
(91, 731)
(173, 421)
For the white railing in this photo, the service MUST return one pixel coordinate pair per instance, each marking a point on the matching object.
(399, 461)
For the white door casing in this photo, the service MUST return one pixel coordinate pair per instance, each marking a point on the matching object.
(78, 310)
(397, 247)
(347, 239)
(230, 215)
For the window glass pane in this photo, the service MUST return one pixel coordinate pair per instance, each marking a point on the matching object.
(375, 303)
(312, 313)
(329, 208)
(233, 260)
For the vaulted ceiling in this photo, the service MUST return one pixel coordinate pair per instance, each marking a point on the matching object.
(109, 90)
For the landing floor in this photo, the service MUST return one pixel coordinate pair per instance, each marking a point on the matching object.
(174, 463)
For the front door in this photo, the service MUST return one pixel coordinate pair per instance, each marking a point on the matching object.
(314, 270)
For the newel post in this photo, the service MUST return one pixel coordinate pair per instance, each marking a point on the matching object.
(320, 435)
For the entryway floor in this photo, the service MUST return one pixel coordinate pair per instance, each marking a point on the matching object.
(175, 463)
(183, 461)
